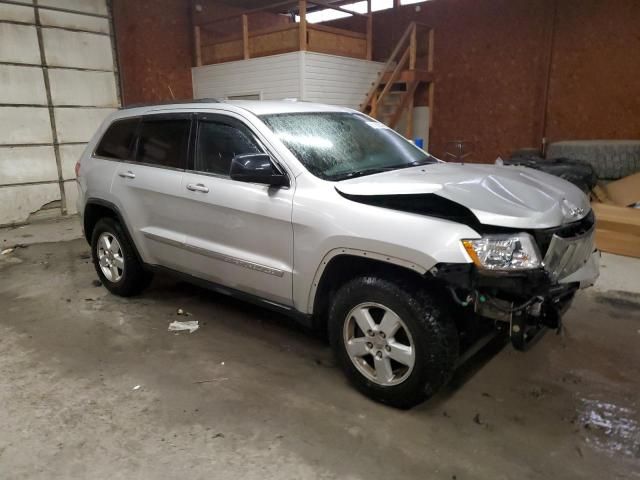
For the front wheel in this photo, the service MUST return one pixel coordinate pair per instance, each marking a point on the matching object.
(396, 345)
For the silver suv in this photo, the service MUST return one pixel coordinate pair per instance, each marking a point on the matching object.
(330, 217)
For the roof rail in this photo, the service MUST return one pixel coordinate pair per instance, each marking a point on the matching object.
(173, 102)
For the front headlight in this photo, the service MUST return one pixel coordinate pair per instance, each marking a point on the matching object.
(504, 252)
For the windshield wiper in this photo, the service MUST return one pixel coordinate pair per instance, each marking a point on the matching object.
(371, 171)
(359, 173)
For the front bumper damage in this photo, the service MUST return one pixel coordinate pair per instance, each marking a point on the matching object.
(527, 302)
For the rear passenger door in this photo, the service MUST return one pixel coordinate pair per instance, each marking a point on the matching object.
(148, 187)
(238, 234)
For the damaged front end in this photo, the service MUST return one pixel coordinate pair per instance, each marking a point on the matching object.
(530, 294)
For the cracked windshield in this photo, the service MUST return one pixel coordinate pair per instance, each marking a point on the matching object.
(340, 145)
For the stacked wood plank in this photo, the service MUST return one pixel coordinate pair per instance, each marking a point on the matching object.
(617, 221)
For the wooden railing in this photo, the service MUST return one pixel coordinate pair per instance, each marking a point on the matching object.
(247, 43)
(407, 55)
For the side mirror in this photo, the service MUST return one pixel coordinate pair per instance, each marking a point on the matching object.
(257, 168)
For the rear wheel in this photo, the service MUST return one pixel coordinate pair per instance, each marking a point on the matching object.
(115, 260)
(396, 345)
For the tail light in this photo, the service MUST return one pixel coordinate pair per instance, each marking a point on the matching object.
(77, 168)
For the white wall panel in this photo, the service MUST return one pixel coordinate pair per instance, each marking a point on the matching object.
(338, 80)
(80, 96)
(17, 203)
(27, 164)
(85, 88)
(22, 85)
(77, 49)
(95, 7)
(69, 155)
(307, 76)
(73, 20)
(22, 125)
(274, 77)
(19, 44)
(79, 124)
(17, 13)
(71, 194)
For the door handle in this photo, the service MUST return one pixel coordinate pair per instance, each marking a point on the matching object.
(127, 174)
(197, 188)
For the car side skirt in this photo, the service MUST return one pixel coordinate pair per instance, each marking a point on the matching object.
(300, 317)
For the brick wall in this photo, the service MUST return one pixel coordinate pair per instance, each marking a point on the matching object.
(154, 42)
(491, 61)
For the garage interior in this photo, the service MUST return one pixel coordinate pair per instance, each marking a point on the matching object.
(94, 386)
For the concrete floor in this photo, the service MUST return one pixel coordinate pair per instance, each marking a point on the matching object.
(252, 396)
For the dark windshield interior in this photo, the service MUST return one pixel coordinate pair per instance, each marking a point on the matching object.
(340, 145)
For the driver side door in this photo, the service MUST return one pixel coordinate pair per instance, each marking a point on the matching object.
(238, 234)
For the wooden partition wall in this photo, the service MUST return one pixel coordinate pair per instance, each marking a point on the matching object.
(243, 42)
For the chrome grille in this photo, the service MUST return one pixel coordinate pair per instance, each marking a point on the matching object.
(566, 255)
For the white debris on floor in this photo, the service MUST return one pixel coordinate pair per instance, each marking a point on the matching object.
(191, 325)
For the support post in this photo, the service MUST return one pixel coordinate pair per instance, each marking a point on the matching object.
(374, 106)
(245, 37)
(302, 12)
(409, 132)
(197, 45)
(431, 100)
(413, 48)
(431, 49)
(369, 31)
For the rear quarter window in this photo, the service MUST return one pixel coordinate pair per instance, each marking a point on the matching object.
(117, 142)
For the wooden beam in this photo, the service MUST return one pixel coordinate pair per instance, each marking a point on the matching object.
(395, 74)
(245, 37)
(338, 31)
(618, 219)
(408, 76)
(255, 33)
(413, 46)
(408, 96)
(374, 106)
(619, 243)
(409, 131)
(432, 87)
(369, 31)
(302, 12)
(385, 69)
(431, 49)
(197, 46)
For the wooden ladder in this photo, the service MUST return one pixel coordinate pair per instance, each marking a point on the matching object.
(409, 67)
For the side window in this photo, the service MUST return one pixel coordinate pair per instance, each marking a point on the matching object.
(218, 143)
(117, 141)
(164, 142)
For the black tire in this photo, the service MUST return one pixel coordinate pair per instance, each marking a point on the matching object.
(611, 159)
(433, 330)
(134, 277)
(578, 172)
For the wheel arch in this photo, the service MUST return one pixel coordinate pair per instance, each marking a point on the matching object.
(96, 209)
(343, 264)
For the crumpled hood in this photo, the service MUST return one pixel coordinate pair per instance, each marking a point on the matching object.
(507, 196)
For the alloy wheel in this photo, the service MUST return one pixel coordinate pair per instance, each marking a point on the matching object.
(379, 344)
(110, 257)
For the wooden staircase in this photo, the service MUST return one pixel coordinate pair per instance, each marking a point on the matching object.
(408, 70)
